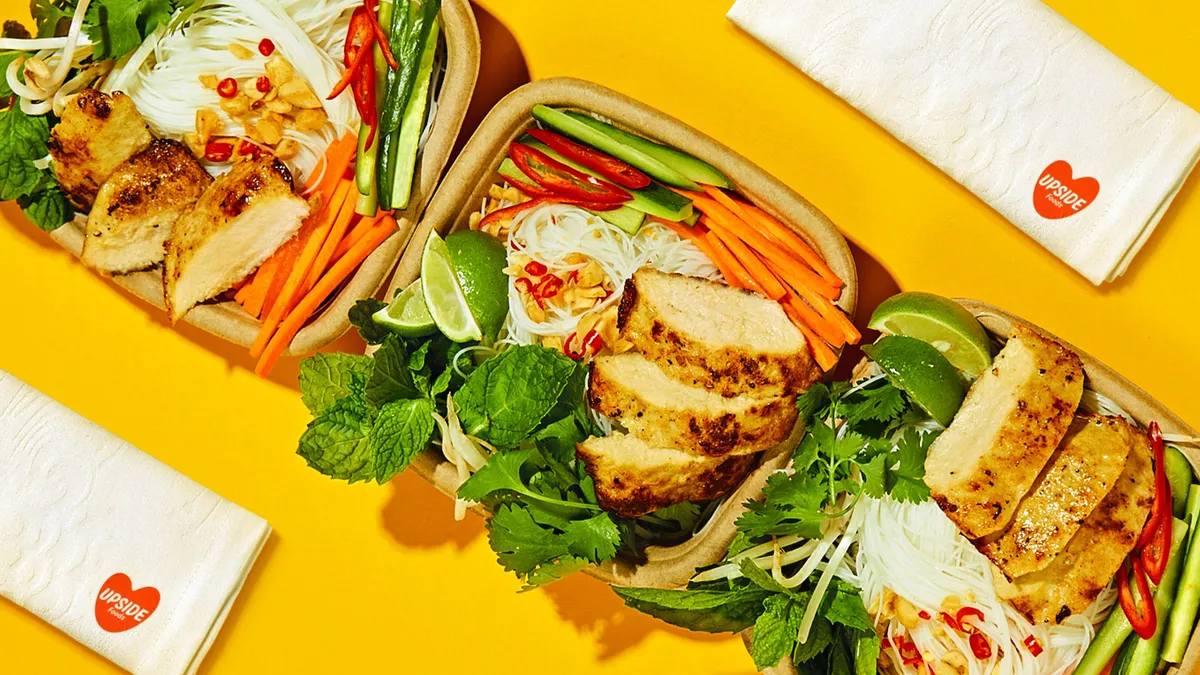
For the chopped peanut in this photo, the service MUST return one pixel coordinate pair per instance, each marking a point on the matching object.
(956, 660)
(908, 614)
(592, 274)
(209, 81)
(238, 105)
(240, 51)
(278, 69)
(279, 106)
(553, 342)
(250, 86)
(473, 219)
(208, 123)
(192, 140)
(535, 311)
(310, 120)
(270, 130)
(287, 149)
(298, 93)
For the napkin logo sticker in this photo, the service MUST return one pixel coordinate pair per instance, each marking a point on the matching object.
(119, 607)
(1058, 195)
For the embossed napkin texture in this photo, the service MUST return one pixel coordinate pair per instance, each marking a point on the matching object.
(111, 546)
(1059, 135)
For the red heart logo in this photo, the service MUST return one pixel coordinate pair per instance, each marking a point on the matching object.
(1058, 195)
(119, 607)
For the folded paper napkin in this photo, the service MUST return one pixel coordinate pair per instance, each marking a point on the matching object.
(111, 546)
(1052, 130)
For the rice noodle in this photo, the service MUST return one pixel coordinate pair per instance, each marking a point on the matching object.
(552, 232)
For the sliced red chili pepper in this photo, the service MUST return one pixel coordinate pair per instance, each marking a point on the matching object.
(227, 88)
(592, 342)
(610, 167)
(923, 614)
(1141, 612)
(535, 268)
(569, 349)
(1162, 507)
(363, 88)
(266, 47)
(950, 621)
(523, 285)
(1154, 556)
(263, 84)
(549, 287)
(372, 7)
(359, 40)
(980, 647)
(217, 151)
(1032, 644)
(965, 612)
(562, 179)
(909, 653)
(510, 211)
(531, 189)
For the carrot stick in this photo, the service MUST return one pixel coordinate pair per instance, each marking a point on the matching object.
(341, 225)
(800, 311)
(285, 259)
(327, 284)
(737, 271)
(260, 285)
(692, 233)
(291, 289)
(794, 243)
(360, 230)
(771, 286)
(826, 309)
(243, 293)
(337, 160)
(825, 357)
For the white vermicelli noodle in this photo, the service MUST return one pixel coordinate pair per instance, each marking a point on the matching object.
(163, 76)
(551, 232)
(916, 552)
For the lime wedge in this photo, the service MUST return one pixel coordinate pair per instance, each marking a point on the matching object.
(941, 322)
(921, 370)
(479, 260)
(407, 315)
(443, 296)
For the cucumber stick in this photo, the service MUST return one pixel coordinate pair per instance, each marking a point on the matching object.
(1116, 628)
(364, 171)
(413, 123)
(1187, 600)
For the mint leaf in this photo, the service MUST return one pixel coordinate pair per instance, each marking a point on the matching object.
(361, 318)
(820, 636)
(402, 430)
(47, 15)
(521, 545)
(845, 607)
(391, 380)
(775, 631)
(866, 653)
(337, 442)
(763, 579)
(48, 207)
(595, 538)
(505, 399)
(22, 140)
(709, 611)
(118, 27)
(325, 378)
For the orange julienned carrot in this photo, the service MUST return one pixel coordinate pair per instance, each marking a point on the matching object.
(291, 289)
(741, 277)
(799, 310)
(341, 225)
(285, 259)
(260, 285)
(243, 293)
(770, 284)
(723, 217)
(337, 159)
(824, 355)
(827, 310)
(353, 236)
(326, 285)
(691, 233)
(793, 242)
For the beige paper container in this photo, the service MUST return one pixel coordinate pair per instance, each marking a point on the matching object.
(462, 192)
(228, 321)
(1105, 380)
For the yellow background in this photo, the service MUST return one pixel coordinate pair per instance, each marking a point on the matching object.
(381, 579)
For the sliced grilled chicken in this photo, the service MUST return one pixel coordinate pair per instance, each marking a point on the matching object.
(713, 336)
(138, 205)
(239, 221)
(1077, 478)
(96, 133)
(665, 412)
(1013, 418)
(1076, 577)
(633, 478)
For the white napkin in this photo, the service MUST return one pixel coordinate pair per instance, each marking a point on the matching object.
(1002, 95)
(79, 506)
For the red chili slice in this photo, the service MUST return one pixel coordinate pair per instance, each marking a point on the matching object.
(923, 614)
(266, 47)
(965, 612)
(227, 88)
(610, 167)
(535, 268)
(531, 189)
(372, 11)
(549, 287)
(562, 179)
(1141, 613)
(592, 342)
(1162, 507)
(523, 285)
(569, 349)
(950, 621)
(1032, 644)
(263, 84)
(359, 40)
(217, 151)
(980, 647)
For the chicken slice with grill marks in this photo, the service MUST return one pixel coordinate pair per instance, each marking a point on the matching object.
(96, 133)
(1077, 478)
(138, 205)
(1013, 418)
(1076, 577)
